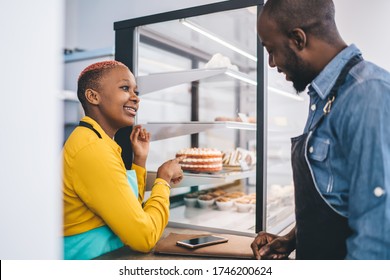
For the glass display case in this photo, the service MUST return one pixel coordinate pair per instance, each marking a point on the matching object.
(202, 82)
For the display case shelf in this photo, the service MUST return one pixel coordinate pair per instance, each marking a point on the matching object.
(158, 81)
(215, 220)
(160, 130)
(193, 179)
(219, 91)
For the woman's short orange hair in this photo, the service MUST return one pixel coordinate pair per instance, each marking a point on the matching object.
(90, 77)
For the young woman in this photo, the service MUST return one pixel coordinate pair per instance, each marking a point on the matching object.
(103, 207)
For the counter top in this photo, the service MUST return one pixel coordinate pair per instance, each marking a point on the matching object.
(125, 253)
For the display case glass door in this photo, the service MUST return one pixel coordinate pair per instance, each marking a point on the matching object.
(203, 82)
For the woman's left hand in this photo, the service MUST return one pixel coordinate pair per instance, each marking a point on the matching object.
(140, 139)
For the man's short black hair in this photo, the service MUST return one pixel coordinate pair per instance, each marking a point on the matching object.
(315, 17)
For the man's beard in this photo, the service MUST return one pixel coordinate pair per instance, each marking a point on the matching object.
(301, 71)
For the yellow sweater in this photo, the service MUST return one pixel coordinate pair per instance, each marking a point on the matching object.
(96, 192)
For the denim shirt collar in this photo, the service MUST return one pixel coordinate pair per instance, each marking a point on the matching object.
(324, 82)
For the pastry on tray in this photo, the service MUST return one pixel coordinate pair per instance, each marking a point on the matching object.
(239, 159)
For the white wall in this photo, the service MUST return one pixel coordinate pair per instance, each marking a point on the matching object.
(31, 115)
(89, 23)
(92, 21)
(30, 124)
(366, 24)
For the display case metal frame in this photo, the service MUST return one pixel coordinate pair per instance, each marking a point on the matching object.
(125, 48)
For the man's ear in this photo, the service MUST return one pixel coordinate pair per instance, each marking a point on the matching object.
(92, 96)
(299, 39)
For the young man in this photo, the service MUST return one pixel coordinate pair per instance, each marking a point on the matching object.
(102, 201)
(341, 164)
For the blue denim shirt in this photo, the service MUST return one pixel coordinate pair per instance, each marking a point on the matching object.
(349, 153)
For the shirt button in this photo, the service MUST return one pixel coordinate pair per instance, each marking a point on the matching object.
(313, 107)
(378, 191)
(311, 149)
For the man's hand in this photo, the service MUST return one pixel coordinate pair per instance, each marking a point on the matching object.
(272, 247)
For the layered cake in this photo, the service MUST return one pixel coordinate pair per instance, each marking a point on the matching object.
(201, 160)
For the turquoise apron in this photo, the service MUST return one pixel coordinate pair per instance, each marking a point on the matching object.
(98, 241)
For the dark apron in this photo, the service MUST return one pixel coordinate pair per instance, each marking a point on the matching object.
(88, 125)
(321, 233)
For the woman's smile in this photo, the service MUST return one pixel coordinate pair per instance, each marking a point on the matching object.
(132, 110)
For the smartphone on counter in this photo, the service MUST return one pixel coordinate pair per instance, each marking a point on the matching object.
(202, 241)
